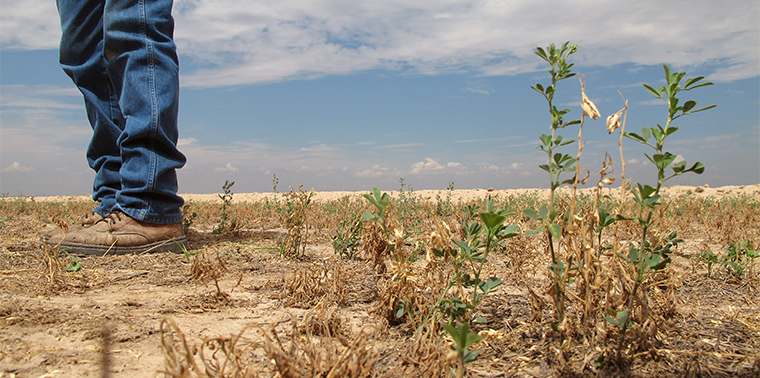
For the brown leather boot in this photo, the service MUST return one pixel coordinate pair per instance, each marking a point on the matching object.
(87, 220)
(118, 234)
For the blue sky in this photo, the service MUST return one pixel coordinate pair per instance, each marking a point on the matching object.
(348, 95)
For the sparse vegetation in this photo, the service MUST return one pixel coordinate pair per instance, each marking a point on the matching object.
(506, 324)
(430, 288)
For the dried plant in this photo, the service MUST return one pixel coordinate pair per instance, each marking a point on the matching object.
(52, 266)
(294, 216)
(204, 269)
(309, 355)
(313, 283)
(229, 357)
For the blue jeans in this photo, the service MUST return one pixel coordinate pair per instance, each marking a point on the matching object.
(121, 56)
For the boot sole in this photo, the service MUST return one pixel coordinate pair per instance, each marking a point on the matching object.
(176, 245)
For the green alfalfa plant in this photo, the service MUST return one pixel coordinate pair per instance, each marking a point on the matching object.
(739, 256)
(345, 242)
(188, 216)
(443, 204)
(483, 231)
(463, 339)
(646, 257)
(382, 202)
(226, 197)
(558, 163)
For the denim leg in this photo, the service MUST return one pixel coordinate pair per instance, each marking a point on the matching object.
(138, 55)
(81, 56)
(142, 64)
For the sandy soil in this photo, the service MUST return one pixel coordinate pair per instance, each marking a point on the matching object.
(465, 195)
(60, 333)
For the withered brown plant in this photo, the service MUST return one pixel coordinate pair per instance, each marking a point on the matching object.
(229, 357)
(204, 269)
(294, 217)
(309, 284)
(427, 354)
(307, 355)
(375, 245)
(51, 266)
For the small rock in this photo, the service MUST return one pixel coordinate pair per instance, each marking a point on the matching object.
(699, 189)
(491, 189)
(707, 186)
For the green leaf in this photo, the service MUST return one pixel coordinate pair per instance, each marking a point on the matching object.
(74, 266)
(555, 230)
(635, 137)
(509, 231)
(546, 139)
(679, 167)
(566, 142)
(401, 309)
(688, 105)
(535, 230)
(472, 337)
(700, 85)
(659, 135)
(651, 201)
(530, 213)
(646, 132)
(489, 284)
(690, 83)
(697, 168)
(543, 211)
(653, 91)
(663, 160)
(470, 356)
(703, 109)
(646, 191)
(492, 221)
(464, 247)
(369, 216)
(541, 53)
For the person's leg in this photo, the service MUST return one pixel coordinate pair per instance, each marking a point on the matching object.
(142, 65)
(81, 56)
(141, 84)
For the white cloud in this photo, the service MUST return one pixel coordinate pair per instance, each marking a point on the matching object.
(29, 25)
(227, 168)
(376, 172)
(243, 42)
(654, 101)
(403, 145)
(430, 166)
(319, 149)
(185, 141)
(234, 42)
(478, 91)
(40, 97)
(16, 167)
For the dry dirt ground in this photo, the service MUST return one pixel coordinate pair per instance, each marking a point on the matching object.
(109, 314)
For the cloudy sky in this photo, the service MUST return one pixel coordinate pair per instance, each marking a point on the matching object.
(348, 95)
